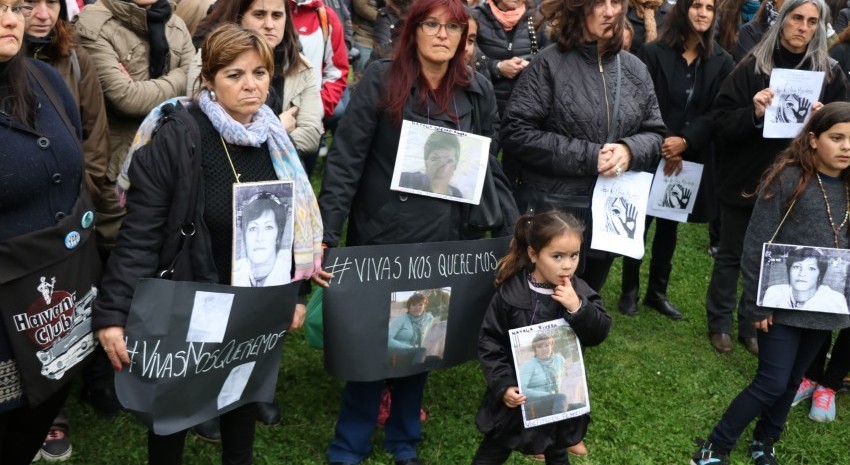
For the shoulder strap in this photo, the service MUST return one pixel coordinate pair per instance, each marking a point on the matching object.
(323, 22)
(75, 65)
(612, 135)
(55, 101)
(782, 222)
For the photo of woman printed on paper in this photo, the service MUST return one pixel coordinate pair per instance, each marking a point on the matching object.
(551, 374)
(437, 162)
(262, 234)
(417, 328)
(804, 278)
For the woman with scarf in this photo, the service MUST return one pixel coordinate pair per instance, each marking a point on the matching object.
(646, 18)
(237, 139)
(141, 52)
(687, 68)
(510, 33)
(752, 32)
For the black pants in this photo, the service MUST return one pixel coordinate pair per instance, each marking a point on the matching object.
(493, 452)
(237, 440)
(663, 246)
(22, 431)
(839, 364)
(723, 288)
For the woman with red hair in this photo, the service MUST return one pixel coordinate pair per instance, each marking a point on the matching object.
(427, 81)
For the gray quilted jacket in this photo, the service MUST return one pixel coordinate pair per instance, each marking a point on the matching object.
(556, 121)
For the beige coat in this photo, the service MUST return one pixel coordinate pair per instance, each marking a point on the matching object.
(299, 91)
(114, 32)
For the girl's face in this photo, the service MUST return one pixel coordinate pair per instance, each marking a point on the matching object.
(471, 36)
(700, 14)
(832, 148)
(557, 261)
(267, 18)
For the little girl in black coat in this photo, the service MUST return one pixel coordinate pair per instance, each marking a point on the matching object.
(537, 283)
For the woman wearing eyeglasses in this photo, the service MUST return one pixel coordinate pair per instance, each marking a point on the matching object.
(47, 230)
(427, 82)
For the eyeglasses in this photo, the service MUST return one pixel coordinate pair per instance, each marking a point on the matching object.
(432, 28)
(22, 11)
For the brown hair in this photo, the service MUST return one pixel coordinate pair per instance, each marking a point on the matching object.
(567, 19)
(226, 43)
(535, 231)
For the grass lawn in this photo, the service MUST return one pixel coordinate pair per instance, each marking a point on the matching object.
(655, 385)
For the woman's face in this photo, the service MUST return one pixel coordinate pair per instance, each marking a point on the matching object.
(242, 86)
(701, 13)
(267, 18)
(804, 274)
(471, 36)
(508, 5)
(417, 309)
(43, 18)
(799, 28)
(543, 350)
(261, 238)
(11, 31)
(599, 23)
(438, 49)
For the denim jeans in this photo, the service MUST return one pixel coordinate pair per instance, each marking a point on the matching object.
(358, 416)
(784, 354)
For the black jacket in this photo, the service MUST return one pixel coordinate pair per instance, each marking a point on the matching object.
(496, 45)
(749, 35)
(360, 166)
(388, 26)
(698, 133)
(841, 53)
(742, 153)
(557, 122)
(163, 174)
(515, 305)
(639, 37)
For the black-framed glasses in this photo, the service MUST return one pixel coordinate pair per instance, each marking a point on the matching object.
(432, 28)
(22, 11)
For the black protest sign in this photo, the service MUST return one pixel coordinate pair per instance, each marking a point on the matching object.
(199, 350)
(396, 310)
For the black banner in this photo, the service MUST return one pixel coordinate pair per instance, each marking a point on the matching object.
(199, 350)
(396, 310)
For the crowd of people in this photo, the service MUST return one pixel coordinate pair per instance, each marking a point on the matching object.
(126, 124)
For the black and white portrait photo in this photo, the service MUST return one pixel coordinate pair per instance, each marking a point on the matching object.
(262, 234)
(804, 278)
(440, 162)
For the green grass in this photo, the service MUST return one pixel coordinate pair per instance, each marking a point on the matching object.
(654, 386)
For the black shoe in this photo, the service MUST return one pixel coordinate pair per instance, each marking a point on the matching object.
(751, 344)
(208, 431)
(413, 461)
(663, 306)
(628, 304)
(721, 342)
(103, 399)
(268, 413)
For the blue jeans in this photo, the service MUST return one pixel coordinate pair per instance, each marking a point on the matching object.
(358, 416)
(785, 353)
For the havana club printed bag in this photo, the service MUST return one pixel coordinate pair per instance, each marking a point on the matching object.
(47, 286)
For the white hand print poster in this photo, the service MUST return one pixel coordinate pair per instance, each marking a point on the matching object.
(619, 211)
(673, 197)
(794, 93)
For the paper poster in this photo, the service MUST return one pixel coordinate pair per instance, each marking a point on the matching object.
(550, 372)
(794, 93)
(802, 278)
(673, 197)
(440, 162)
(186, 368)
(263, 220)
(619, 210)
(396, 310)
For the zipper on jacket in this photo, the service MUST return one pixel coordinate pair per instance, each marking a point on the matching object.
(605, 91)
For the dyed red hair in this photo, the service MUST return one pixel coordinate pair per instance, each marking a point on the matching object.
(406, 71)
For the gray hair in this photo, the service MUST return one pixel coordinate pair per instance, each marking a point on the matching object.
(816, 51)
